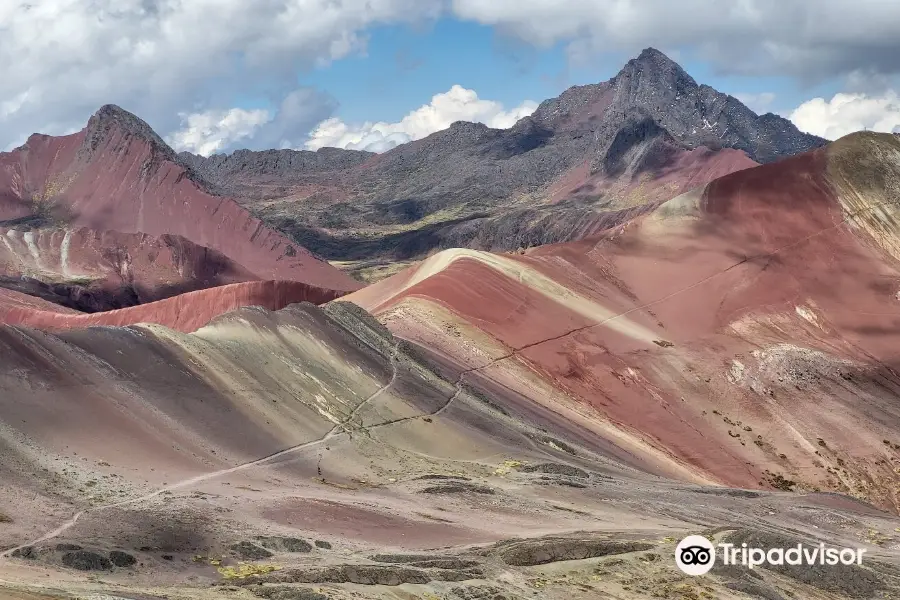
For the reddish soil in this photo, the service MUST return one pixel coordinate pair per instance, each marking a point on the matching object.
(687, 170)
(369, 526)
(767, 274)
(186, 312)
(107, 177)
(101, 270)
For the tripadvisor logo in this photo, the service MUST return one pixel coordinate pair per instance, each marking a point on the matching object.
(696, 555)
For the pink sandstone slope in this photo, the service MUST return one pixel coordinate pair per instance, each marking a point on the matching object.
(745, 333)
(118, 175)
(682, 171)
(114, 269)
(185, 312)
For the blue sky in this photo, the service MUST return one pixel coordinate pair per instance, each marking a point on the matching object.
(405, 66)
(400, 69)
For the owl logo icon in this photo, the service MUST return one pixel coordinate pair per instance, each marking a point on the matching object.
(695, 555)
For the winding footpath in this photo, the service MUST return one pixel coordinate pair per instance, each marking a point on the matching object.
(338, 429)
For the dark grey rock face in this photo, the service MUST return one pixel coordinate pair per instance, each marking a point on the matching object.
(122, 559)
(693, 114)
(284, 544)
(84, 560)
(250, 551)
(282, 166)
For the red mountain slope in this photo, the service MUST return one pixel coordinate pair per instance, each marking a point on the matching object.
(185, 312)
(101, 270)
(118, 175)
(746, 333)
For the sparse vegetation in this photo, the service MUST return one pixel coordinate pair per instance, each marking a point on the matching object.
(458, 488)
(779, 482)
(45, 205)
(243, 571)
(873, 536)
(506, 466)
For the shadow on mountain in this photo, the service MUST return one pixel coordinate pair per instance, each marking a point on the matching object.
(100, 295)
(523, 228)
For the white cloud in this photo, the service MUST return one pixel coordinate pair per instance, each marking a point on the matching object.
(456, 104)
(213, 130)
(846, 113)
(804, 38)
(63, 59)
(758, 103)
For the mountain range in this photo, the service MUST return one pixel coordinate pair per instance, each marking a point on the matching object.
(198, 401)
(564, 172)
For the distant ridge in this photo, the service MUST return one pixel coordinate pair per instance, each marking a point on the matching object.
(644, 136)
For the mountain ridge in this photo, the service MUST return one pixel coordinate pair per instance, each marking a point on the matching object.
(572, 168)
(117, 175)
(642, 136)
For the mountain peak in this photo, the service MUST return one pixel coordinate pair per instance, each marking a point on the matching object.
(462, 132)
(653, 65)
(111, 114)
(110, 119)
(114, 111)
(468, 126)
(652, 55)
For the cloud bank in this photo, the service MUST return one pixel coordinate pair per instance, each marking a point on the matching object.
(456, 104)
(807, 39)
(846, 113)
(63, 59)
(213, 131)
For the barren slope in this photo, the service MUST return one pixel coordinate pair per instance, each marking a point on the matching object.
(517, 426)
(140, 463)
(745, 333)
(94, 271)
